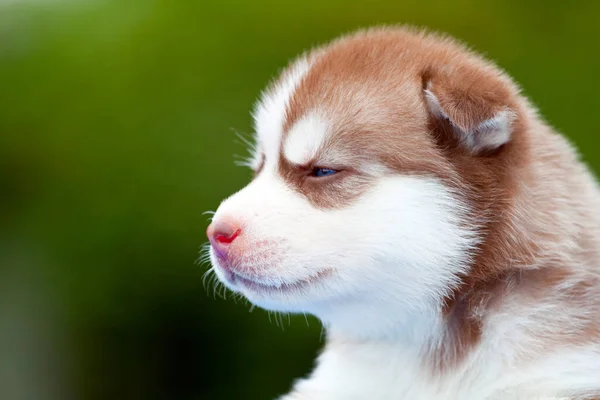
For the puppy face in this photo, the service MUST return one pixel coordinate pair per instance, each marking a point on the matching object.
(358, 199)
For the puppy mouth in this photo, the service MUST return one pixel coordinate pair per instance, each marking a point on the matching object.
(257, 285)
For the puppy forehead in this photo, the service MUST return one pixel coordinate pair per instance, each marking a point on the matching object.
(363, 84)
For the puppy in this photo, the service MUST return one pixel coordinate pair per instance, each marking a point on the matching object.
(412, 199)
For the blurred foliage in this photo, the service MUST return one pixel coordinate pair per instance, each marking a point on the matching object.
(116, 133)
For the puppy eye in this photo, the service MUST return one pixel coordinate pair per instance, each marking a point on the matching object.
(321, 172)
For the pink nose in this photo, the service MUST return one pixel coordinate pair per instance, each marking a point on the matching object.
(221, 234)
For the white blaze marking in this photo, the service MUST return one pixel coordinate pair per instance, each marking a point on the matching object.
(305, 138)
(270, 111)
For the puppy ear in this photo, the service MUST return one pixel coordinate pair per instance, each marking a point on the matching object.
(475, 105)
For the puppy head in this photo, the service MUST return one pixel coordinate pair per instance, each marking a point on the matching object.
(370, 156)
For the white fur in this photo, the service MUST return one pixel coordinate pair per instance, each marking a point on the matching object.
(388, 371)
(305, 138)
(489, 135)
(492, 133)
(434, 104)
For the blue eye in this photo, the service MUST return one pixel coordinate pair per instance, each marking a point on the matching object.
(321, 172)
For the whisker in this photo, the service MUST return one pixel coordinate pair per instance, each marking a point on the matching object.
(306, 319)
(246, 163)
(216, 284)
(251, 148)
(240, 136)
(204, 256)
(223, 292)
(205, 276)
(280, 321)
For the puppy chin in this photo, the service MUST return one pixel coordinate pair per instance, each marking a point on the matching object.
(288, 301)
(305, 298)
(282, 295)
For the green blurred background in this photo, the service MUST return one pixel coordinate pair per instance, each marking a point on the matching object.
(116, 133)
